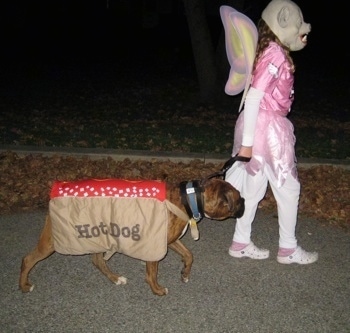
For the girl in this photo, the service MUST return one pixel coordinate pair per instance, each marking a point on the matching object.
(264, 134)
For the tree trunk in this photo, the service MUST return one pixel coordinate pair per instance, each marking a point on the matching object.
(202, 48)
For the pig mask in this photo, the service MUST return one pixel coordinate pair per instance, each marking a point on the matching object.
(285, 19)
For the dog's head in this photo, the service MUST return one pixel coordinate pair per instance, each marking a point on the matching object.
(221, 200)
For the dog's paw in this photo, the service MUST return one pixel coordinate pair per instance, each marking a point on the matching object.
(161, 291)
(185, 279)
(27, 288)
(121, 280)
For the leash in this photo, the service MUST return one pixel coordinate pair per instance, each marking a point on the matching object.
(228, 164)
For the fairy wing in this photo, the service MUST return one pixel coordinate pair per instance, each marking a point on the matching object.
(241, 37)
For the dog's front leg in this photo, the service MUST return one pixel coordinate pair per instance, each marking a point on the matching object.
(152, 278)
(187, 258)
(101, 264)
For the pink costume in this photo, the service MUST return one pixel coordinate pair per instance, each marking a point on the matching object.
(263, 125)
(274, 139)
(273, 142)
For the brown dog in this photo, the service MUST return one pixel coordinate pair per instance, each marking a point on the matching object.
(219, 200)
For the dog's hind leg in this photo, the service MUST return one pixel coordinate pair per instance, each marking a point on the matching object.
(152, 278)
(187, 258)
(101, 264)
(43, 249)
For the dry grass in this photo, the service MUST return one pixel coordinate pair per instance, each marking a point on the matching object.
(25, 182)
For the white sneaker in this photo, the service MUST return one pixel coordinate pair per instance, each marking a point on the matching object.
(250, 251)
(299, 256)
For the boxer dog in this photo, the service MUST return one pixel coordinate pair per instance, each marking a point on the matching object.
(219, 200)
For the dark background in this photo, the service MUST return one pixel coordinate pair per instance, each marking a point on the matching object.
(41, 39)
(62, 31)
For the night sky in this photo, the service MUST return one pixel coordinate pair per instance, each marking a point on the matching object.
(91, 31)
(132, 33)
(103, 30)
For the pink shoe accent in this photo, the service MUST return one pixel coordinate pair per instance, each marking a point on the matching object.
(283, 252)
(238, 246)
(250, 251)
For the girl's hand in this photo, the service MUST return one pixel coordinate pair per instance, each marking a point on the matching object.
(245, 151)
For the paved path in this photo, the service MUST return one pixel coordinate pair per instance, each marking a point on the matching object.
(223, 294)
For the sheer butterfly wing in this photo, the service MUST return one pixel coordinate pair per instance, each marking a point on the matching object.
(241, 38)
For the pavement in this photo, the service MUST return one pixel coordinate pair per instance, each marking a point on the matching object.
(223, 294)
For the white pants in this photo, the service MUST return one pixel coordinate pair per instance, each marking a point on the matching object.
(253, 189)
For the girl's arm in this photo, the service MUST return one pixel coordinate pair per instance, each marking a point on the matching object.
(251, 109)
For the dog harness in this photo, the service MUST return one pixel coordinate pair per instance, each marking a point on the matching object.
(191, 197)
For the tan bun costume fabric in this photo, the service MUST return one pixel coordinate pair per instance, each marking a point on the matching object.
(111, 215)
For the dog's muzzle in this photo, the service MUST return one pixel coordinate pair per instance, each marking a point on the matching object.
(240, 211)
